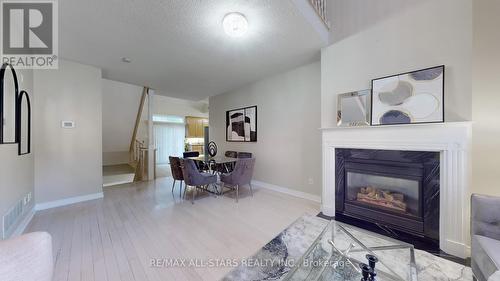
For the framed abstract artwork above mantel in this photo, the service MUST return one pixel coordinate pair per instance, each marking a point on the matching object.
(241, 124)
(409, 98)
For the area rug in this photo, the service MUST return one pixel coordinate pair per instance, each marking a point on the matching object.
(294, 241)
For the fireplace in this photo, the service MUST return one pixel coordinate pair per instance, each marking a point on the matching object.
(394, 191)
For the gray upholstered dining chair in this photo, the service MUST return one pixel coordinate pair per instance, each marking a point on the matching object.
(186, 154)
(244, 155)
(241, 175)
(199, 164)
(232, 154)
(175, 167)
(195, 178)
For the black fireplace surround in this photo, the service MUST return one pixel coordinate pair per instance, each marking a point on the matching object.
(390, 191)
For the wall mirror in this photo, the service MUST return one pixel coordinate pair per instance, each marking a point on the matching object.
(353, 109)
(9, 90)
(23, 123)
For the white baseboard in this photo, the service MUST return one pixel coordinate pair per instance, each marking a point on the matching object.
(24, 223)
(67, 201)
(21, 227)
(116, 183)
(286, 190)
(455, 248)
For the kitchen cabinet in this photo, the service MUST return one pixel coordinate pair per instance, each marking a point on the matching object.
(198, 147)
(195, 127)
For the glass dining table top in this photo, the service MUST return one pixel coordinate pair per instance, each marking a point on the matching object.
(216, 159)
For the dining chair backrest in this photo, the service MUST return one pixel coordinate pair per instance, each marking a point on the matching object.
(192, 176)
(232, 154)
(190, 154)
(243, 171)
(175, 167)
(244, 155)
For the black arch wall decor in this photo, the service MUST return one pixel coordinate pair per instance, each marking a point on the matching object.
(19, 98)
(2, 96)
(23, 95)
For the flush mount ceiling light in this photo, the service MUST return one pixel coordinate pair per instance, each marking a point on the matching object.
(235, 24)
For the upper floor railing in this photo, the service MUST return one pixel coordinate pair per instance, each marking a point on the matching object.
(320, 6)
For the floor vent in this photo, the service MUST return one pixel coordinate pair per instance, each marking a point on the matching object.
(12, 217)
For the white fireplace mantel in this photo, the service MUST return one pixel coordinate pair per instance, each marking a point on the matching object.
(452, 140)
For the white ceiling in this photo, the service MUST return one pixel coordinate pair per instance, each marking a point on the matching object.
(179, 47)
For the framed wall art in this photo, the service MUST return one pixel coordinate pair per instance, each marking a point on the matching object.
(241, 124)
(9, 92)
(15, 111)
(409, 98)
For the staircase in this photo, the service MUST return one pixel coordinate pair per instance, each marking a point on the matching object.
(139, 151)
(139, 160)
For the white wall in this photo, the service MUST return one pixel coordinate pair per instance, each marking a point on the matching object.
(428, 34)
(288, 148)
(120, 103)
(16, 172)
(164, 105)
(349, 17)
(68, 162)
(486, 97)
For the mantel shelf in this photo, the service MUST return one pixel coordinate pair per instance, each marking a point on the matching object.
(445, 124)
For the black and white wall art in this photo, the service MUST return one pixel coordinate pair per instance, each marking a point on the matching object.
(241, 124)
(407, 98)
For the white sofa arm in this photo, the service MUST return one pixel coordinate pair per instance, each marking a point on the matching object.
(27, 258)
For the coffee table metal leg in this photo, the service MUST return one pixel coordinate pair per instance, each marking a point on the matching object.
(345, 254)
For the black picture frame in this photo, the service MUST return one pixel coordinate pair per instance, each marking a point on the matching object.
(406, 73)
(254, 139)
(19, 97)
(23, 95)
(2, 95)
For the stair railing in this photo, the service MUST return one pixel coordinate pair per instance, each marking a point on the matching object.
(135, 152)
(320, 6)
(141, 171)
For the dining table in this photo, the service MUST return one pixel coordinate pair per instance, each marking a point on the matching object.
(212, 162)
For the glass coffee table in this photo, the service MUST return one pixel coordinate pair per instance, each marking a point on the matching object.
(340, 249)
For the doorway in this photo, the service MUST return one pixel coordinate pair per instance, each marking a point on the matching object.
(169, 135)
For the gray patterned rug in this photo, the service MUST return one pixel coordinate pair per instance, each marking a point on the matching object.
(270, 262)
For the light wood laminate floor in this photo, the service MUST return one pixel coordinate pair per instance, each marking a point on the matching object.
(115, 238)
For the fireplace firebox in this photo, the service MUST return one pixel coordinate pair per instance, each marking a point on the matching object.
(396, 192)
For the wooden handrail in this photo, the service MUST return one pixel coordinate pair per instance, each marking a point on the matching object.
(138, 118)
